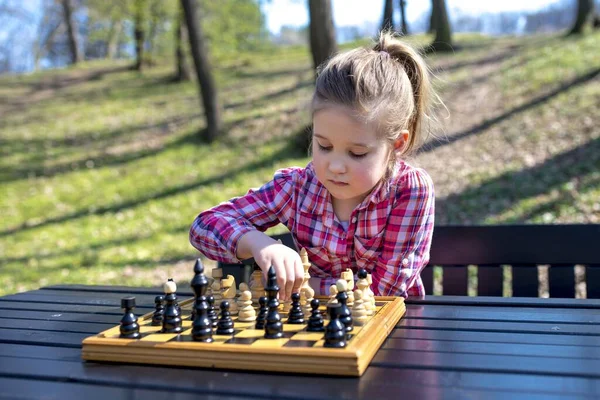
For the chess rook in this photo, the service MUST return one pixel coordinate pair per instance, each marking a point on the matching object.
(129, 327)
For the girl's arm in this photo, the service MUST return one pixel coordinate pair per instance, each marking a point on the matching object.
(407, 237)
(216, 232)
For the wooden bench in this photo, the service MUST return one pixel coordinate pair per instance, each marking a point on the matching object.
(489, 249)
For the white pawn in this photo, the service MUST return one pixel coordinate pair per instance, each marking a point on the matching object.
(348, 276)
(333, 291)
(243, 287)
(216, 293)
(247, 313)
(359, 311)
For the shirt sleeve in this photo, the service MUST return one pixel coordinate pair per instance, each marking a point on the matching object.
(407, 237)
(216, 231)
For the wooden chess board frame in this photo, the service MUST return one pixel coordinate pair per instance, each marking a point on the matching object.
(351, 360)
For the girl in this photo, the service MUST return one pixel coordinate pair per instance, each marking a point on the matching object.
(357, 204)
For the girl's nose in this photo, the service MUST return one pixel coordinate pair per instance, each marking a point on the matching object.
(337, 166)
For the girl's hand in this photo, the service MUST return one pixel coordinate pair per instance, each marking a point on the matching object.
(268, 252)
(287, 265)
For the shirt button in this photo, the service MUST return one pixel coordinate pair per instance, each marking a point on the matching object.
(405, 262)
(354, 219)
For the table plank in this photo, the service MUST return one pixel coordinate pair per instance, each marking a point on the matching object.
(376, 382)
(507, 302)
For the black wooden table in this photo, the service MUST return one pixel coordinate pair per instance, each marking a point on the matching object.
(444, 348)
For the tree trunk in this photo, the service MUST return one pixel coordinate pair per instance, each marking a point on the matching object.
(443, 35)
(584, 9)
(113, 39)
(183, 72)
(387, 23)
(139, 32)
(71, 31)
(322, 31)
(403, 24)
(206, 84)
(432, 18)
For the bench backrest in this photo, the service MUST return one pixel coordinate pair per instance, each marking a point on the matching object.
(485, 252)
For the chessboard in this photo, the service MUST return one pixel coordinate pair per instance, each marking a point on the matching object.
(298, 351)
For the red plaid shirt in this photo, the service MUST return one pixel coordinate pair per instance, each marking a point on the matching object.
(389, 233)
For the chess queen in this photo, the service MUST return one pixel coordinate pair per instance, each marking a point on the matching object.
(358, 203)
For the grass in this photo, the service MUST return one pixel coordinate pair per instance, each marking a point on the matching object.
(102, 171)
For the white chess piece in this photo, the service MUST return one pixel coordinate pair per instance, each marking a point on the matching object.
(363, 286)
(359, 311)
(333, 291)
(247, 313)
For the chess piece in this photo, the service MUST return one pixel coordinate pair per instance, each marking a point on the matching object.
(247, 312)
(273, 325)
(370, 292)
(315, 322)
(362, 285)
(172, 318)
(359, 312)
(335, 332)
(344, 313)
(202, 324)
(256, 286)
(216, 293)
(225, 324)
(212, 314)
(129, 327)
(348, 276)
(261, 319)
(306, 292)
(159, 311)
(228, 291)
(296, 315)
(333, 291)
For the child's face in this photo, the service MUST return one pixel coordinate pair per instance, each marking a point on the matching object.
(348, 158)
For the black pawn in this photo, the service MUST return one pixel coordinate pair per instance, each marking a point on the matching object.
(225, 324)
(315, 321)
(172, 318)
(335, 333)
(129, 326)
(212, 313)
(344, 313)
(296, 315)
(273, 326)
(159, 311)
(261, 318)
(202, 325)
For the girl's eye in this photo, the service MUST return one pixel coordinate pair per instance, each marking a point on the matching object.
(324, 148)
(355, 155)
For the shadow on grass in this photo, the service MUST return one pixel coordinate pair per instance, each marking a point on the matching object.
(430, 146)
(503, 192)
(288, 151)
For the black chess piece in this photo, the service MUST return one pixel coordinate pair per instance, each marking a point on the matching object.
(273, 325)
(296, 315)
(261, 318)
(315, 321)
(212, 313)
(172, 319)
(344, 313)
(202, 324)
(129, 327)
(335, 333)
(225, 324)
(159, 311)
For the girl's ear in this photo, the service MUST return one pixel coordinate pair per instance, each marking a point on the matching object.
(402, 141)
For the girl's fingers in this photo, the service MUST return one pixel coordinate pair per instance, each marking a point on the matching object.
(298, 274)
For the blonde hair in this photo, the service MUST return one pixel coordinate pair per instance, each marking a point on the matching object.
(387, 85)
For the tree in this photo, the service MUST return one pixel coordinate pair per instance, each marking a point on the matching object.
(322, 31)
(71, 31)
(584, 10)
(206, 84)
(387, 23)
(139, 32)
(183, 72)
(403, 24)
(443, 34)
